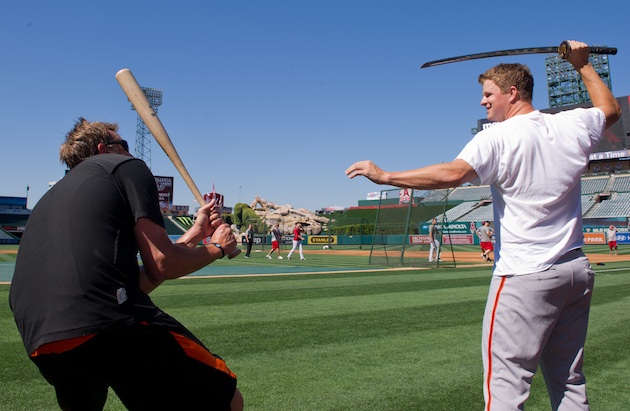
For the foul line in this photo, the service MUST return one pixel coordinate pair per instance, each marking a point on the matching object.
(192, 277)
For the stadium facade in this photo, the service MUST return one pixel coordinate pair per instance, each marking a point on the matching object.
(13, 217)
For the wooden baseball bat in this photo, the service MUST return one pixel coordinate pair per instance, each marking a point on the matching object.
(139, 101)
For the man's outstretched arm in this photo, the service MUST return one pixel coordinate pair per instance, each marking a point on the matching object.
(446, 175)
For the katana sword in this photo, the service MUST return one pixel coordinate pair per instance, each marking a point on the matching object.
(563, 50)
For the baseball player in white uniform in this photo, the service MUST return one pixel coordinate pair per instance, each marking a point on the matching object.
(540, 292)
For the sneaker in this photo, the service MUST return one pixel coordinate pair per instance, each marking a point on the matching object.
(485, 257)
(288, 257)
(430, 260)
(280, 257)
(246, 256)
(269, 257)
(440, 260)
(302, 258)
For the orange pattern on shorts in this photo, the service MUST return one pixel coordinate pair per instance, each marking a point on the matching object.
(57, 347)
(199, 353)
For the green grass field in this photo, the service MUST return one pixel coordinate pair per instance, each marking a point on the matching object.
(374, 340)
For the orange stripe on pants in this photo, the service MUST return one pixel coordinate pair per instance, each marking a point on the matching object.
(494, 311)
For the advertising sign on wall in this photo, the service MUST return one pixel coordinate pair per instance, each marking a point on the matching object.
(446, 239)
(165, 191)
(404, 196)
(322, 239)
(594, 239)
(623, 238)
(419, 239)
(460, 239)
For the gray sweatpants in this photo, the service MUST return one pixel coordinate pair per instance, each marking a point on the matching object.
(533, 319)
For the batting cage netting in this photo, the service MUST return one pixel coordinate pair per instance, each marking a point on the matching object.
(401, 230)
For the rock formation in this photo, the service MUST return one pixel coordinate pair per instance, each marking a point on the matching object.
(287, 216)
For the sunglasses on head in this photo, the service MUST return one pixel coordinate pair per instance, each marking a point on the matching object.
(123, 143)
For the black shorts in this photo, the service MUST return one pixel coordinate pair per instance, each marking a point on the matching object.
(146, 365)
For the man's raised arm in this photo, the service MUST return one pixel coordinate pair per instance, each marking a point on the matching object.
(600, 94)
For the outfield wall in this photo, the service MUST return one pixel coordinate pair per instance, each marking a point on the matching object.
(361, 241)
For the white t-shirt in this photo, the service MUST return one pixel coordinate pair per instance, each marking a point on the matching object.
(611, 235)
(533, 163)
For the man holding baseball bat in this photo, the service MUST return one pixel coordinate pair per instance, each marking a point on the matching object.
(80, 299)
(540, 293)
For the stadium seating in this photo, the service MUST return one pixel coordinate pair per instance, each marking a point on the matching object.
(172, 228)
(8, 238)
(621, 184)
(594, 185)
(602, 197)
(484, 213)
(470, 193)
(435, 196)
(458, 212)
(618, 205)
(588, 201)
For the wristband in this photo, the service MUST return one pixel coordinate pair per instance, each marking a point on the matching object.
(217, 245)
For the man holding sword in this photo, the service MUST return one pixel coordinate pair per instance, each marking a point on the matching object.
(539, 297)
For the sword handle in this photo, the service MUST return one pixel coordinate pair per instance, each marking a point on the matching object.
(602, 50)
(564, 49)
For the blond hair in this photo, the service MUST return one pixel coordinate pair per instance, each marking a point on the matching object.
(83, 140)
(508, 75)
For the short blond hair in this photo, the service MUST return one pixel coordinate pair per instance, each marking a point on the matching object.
(508, 75)
(83, 140)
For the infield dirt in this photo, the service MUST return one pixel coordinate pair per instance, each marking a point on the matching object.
(460, 256)
(465, 256)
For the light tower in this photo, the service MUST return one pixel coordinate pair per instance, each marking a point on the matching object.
(143, 139)
(565, 85)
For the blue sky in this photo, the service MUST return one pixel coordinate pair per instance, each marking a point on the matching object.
(273, 98)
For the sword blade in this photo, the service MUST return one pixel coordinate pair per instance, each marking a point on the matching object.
(500, 53)
(562, 50)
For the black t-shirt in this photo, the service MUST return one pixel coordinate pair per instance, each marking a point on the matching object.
(77, 268)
